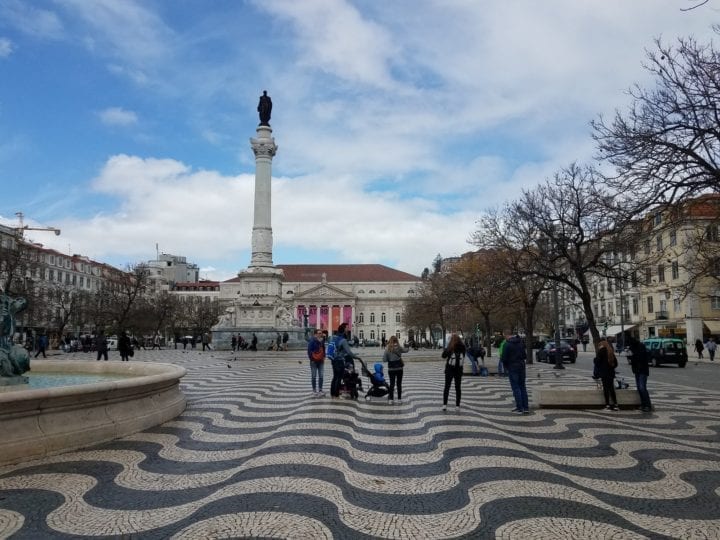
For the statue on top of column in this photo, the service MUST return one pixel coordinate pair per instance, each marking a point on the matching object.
(265, 109)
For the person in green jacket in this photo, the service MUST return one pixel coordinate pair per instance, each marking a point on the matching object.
(501, 368)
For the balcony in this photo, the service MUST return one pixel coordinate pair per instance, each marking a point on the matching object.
(662, 315)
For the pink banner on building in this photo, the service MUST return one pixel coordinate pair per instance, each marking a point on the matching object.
(335, 317)
(347, 316)
(300, 315)
(324, 318)
(313, 320)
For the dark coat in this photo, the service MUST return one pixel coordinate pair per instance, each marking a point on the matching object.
(602, 366)
(640, 359)
(454, 357)
(514, 354)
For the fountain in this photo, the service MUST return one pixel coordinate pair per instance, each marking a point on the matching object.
(37, 422)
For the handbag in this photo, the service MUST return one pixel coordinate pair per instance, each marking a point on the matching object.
(131, 353)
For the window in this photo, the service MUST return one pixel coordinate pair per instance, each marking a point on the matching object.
(397, 318)
(646, 247)
(715, 302)
(659, 242)
(371, 291)
(661, 273)
(372, 319)
(712, 233)
(635, 306)
(382, 318)
(715, 266)
(673, 238)
(658, 218)
(51, 275)
(677, 306)
(361, 334)
(650, 307)
(82, 282)
(361, 318)
(648, 276)
(372, 334)
(675, 270)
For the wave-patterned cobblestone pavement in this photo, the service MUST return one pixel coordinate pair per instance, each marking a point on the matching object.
(257, 455)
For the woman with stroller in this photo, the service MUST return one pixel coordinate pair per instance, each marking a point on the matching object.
(393, 358)
(454, 357)
(605, 364)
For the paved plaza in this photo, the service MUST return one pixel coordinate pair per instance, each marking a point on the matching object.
(257, 455)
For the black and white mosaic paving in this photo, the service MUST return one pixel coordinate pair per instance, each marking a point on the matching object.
(256, 454)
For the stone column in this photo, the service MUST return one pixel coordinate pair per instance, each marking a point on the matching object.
(264, 148)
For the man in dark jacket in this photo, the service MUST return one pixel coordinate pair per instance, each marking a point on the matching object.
(343, 353)
(640, 363)
(513, 359)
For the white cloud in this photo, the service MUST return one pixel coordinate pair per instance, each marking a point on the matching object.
(6, 47)
(117, 116)
(26, 18)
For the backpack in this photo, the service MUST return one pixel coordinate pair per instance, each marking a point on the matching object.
(318, 355)
(331, 349)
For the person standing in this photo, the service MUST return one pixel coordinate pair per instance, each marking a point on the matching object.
(42, 345)
(124, 347)
(711, 346)
(471, 353)
(101, 345)
(342, 353)
(699, 348)
(316, 355)
(605, 364)
(285, 339)
(393, 358)
(640, 363)
(513, 357)
(205, 341)
(233, 342)
(501, 369)
(454, 356)
(253, 342)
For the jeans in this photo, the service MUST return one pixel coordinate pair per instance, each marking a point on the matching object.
(473, 363)
(102, 353)
(501, 368)
(519, 390)
(450, 376)
(338, 371)
(711, 352)
(641, 384)
(316, 374)
(395, 377)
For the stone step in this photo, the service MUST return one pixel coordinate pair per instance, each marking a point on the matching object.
(583, 398)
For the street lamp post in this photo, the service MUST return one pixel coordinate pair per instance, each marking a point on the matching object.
(558, 355)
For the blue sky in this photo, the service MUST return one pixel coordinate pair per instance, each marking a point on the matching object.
(127, 124)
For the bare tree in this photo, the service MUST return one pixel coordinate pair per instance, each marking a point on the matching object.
(125, 288)
(479, 280)
(566, 226)
(667, 144)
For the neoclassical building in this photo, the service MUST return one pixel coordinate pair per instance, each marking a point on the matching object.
(370, 298)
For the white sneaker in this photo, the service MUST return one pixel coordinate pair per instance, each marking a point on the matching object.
(457, 407)
(390, 401)
(399, 401)
(444, 408)
(320, 393)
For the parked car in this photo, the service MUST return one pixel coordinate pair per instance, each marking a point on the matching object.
(547, 353)
(667, 351)
(112, 342)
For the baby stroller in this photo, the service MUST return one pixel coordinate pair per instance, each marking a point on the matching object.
(378, 385)
(351, 382)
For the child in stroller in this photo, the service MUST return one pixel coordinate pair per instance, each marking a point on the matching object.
(351, 381)
(379, 387)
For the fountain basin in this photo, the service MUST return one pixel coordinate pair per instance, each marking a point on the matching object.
(39, 422)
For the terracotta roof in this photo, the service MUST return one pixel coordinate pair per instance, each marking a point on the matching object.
(342, 273)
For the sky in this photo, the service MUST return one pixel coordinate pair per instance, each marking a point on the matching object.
(127, 124)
